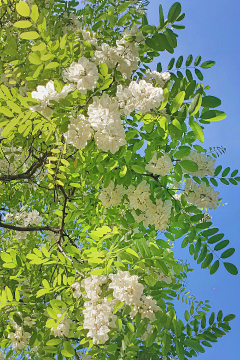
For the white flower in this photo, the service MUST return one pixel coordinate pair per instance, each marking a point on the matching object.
(139, 196)
(206, 164)
(126, 288)
(98, 317)
(2, 356)
(79, 132)
(20, 339)
(76, 290)
(160, 78)
(111, 195)
(111, 139)
(203, 196)
(103, 112)
(63, 327)
(44, 94)
(160, 166)
(141, 96)
(84, 73)
(165, 278)
(92, 286)
(87, 37)
(107, 55)
(147, 308)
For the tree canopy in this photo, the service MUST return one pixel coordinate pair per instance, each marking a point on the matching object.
(102, 168)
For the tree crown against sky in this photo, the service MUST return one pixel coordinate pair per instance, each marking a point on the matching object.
(103, 167)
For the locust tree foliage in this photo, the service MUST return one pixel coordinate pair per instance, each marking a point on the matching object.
(102, 168)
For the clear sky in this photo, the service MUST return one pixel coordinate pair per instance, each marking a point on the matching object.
(212, 32)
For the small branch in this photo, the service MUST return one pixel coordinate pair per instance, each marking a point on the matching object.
(30, 228)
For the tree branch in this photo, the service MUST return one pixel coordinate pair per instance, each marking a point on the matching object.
(30, 228)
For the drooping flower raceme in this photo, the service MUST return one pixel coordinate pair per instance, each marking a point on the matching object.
(146, 307)
(104, 117)
(63, 327)
(46, 93)
(201, 195)
(79, 131)
(160, 166)
(160, 78)
(141, 96)
(111, 195)
(84, 73)
(206, 164)
(126, 288)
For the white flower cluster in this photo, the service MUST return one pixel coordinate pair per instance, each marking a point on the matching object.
(125, 55)
(24, 217)
(104, 117)
(45, 94)
(206, 164)
(160, 78)
(160, 166)
(141, 96)
(76, 290)
(63, 327)
(98, 313)
(89, 37)
(201, 195)
(126, 288)
(111, 195)
(147, 308)
(20, 338)
(151, 214)
(84, 73)
(79, 132)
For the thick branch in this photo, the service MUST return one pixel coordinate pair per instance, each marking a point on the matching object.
(30, 228)
(29, 173)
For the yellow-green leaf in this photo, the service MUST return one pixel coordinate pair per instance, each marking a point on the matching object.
(196, 128)
(9, 126)
(39, 47)
(177, 102)
(14, 106)
(34, 13)
(52, 65)
(22, 24)
(34, 59)
(30, 35)
(23, 8)
(6, 112)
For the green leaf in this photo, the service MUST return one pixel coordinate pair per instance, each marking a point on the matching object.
(174, 12)
(6, 112)
(54, 342)
(229, 317)
(106, 84)
(189, 165)
(199, 74)
(224, 181)
(30, 35)
(214, 267)
(123, 7)
(22, 24)
(208, 64)
(230, 268)
(213, 115)
(211, 101)
(227, 253)
(68, 350)
(218, 170)
(171, 63)
(130, 326)
(161, 16)
(195, 104)
(215, 238)
(177, 102)
(189, 60)
(207, 261)
(23, 8)
(150, 280)
(179, 62)
(178, 172)
(194, 344)
(9, 126)
(103, 69)
(186, 315)
(214, 181)
(197, 60)
(234, 173)
(226, 171)
(182, 153)
(138, 169)
(221, 245)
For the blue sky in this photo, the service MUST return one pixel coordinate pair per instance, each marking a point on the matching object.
(212, 32)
